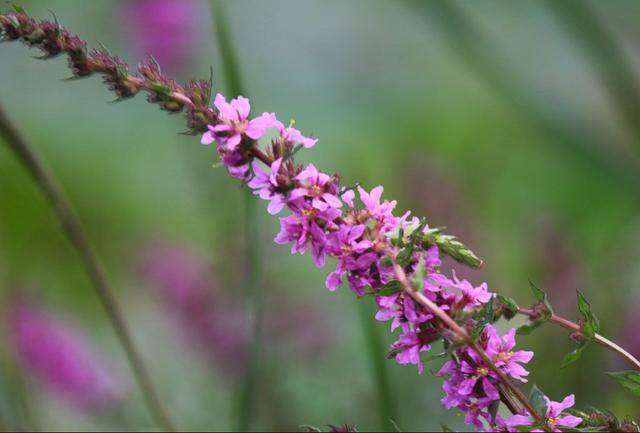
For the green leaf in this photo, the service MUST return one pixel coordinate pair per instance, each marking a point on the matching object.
(538, 400)
(19, 9)
(591, 324)
(487, 312)
(541, 297)
(391, 288)
(574, 355)
(493, 409)
(386, 262)
(630, 380)
(446, 428)
(404, 256)
(417, 282)
(161, 89)
(509, 303)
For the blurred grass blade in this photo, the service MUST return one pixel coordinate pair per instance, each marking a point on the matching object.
(248, 392)
(74, 232)
(479, 55)
(376, 350)
(581, 22)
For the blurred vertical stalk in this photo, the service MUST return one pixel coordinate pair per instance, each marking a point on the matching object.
(478, 54)
(387, 405)
(72, 228)
(372, 338)
(249, 387)
(581, 22)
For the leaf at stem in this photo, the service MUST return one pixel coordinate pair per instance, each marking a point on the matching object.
(630, 380)
(538, 400)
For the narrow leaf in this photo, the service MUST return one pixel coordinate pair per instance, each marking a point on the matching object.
(417, 282)
(538, 400)
(574, 355)
(630, 380)
(391, 288)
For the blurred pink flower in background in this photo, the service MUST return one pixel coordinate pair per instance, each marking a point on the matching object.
(169, 30)
(211, 321)
(60, 356)
(215, 322)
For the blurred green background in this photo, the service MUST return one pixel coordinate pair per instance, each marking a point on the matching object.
(511, 123)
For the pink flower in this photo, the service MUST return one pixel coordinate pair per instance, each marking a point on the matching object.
(303, 228)
(380, 211)
(409, 347)
(292, 135)
(235, 123)
(266, 186)
(318, 187)
(60, 356)
(553, 417)
(500, 350)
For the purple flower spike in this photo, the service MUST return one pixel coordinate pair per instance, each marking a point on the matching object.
(60, 357)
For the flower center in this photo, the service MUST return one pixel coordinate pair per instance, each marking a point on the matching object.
(309, 213)
(240, 126)
(316, 190)
(346, 250)
(503, 356)
(483, 371)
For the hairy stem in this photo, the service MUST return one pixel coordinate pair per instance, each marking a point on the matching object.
(75, 234)
(466, 338)
(576, 328)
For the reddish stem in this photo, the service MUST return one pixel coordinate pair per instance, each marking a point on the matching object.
(576, 328)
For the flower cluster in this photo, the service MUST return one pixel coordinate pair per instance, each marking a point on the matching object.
(394, 258)
(368, 241)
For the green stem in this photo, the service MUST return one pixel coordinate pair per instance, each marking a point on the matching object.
(248, 389)
(387, 404)
(73, 230)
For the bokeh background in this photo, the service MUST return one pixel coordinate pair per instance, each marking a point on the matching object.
(514, 124)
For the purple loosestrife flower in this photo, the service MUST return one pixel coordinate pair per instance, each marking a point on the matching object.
(368, 241)
(553, 418)
(235, 123)
(304, 226)
(319, 187)
(293, 136)
(408, 348)
(60, 357)
(503, 356)
(266, 186)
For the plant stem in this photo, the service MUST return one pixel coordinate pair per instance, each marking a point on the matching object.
(466, 338)
(375, 347)
(248, 391)
(73, 230)
(576, 328)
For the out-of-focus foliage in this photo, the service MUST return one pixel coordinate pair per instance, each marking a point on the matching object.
(494, 119)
